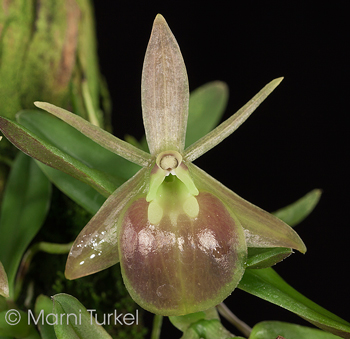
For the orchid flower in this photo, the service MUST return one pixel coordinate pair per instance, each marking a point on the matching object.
(181, 237)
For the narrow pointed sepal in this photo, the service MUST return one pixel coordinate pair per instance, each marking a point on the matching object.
(42, 150)
(164, 91)
(100, 136)
(181, 264)
(226, 128)
(96, 247)
(261, 228)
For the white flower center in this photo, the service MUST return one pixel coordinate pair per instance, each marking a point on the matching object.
(169, 161)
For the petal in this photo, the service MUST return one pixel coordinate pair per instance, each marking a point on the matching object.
(165, 92)
(226, 128)
(181, 265)
(100, 136)
(96, 247)
(261, 228)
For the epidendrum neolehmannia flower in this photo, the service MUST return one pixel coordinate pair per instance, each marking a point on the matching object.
(181, 237)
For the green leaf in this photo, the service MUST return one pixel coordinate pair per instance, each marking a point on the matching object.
(43, 309)
(69, 140)
(74, 321)
(208, 329)
(83, 194)
(201, 325)
(206, 107)
(272, 329)
(268, 285)
(66, 138)
(291, 215)
(39, 149)
(23, 211)
(16, 324)
(296, 212)
(183, 322)
(266, 257)
(4, 285)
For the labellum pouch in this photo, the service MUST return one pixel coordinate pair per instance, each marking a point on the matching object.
(182, 264)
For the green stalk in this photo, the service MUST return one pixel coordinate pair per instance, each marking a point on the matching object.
(229, 316)
(157, 325)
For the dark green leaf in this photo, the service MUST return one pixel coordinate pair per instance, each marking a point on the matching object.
(296, 212)
(268, 285)
(43, 309)
(69, 140)
(209, 329)
(185, 321)
(272, 329)
(39, 149)
(83, 194)
(292, 215)
(74, 320)
(66, 138)
(201, 325)
(206, 107)
(23, 211)
(266, 257)
(17, 324)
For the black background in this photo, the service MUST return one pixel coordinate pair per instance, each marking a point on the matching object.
(297, 140)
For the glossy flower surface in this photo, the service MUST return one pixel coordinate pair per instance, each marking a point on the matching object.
(181, 237)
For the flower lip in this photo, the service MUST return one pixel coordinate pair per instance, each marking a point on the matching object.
(169, 161)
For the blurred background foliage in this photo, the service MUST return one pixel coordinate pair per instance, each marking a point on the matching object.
(48, 52)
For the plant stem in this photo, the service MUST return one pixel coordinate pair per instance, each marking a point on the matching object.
(228, 315)
(157, 325)
(92, 114)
